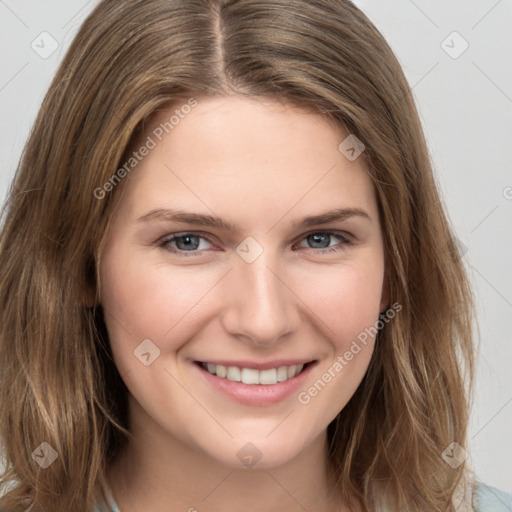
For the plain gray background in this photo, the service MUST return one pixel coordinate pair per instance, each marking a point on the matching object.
(465, 100)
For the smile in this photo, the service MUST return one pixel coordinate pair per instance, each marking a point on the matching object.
(253, 376)
(255, 384)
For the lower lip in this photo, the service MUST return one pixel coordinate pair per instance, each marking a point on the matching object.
(256, 394)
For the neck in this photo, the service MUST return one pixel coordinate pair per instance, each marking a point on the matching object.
(158, 472)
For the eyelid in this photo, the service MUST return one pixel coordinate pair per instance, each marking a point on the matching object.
(336, 232)
(346, 237)
(173, 236)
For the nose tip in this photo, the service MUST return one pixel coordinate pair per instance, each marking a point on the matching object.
(260, 307)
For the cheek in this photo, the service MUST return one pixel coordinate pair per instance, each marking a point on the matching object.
(346, 303)
(345, 300)
(168, 304)
(152, 302)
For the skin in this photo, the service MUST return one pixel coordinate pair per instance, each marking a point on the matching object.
(261, 165)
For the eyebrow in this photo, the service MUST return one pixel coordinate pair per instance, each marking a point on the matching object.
(213, 221)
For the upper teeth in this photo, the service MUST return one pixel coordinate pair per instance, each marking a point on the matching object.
(252, 376)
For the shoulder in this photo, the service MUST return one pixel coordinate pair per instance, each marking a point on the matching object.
(102, 508)
(491, 499)
(99, 508)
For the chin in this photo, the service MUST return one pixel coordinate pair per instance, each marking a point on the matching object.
(257, 451)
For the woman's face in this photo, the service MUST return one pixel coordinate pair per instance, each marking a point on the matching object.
(217, 271)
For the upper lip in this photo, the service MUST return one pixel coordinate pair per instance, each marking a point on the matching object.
(258, 366)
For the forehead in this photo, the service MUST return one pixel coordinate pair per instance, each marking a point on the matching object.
(258, 154)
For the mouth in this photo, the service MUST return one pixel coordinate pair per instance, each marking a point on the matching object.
(255, 384)
(246, 373)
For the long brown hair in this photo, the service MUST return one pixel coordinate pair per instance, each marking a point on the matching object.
(130, 58)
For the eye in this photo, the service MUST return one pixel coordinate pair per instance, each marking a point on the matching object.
(320, 240)
(193, 243)
(185, 243)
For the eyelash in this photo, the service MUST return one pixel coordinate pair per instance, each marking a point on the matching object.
(346, 239)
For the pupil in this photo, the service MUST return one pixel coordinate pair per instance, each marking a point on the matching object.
(186, 242)
(318, 238)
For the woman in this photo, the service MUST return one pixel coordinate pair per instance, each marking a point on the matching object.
(181, 341)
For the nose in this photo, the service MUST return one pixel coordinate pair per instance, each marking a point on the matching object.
(259, 307)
